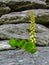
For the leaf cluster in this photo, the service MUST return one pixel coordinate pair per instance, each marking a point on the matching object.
(23, 44)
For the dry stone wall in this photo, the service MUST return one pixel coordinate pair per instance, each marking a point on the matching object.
(14, 12)
(14, 22)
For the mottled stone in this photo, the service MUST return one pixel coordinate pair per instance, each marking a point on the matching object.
(47, 3)
(20, 5)
(13, 18)
(4, 10)
(4, 45)
(24, 5)
(41, 16)
(44, 19)
(21, 31)
(21, 57)
(22, 0)
(38, 6)
(2, 4)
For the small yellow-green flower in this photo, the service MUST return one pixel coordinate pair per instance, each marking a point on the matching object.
(32, 29)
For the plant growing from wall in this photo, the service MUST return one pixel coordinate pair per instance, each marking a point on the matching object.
(30, 45)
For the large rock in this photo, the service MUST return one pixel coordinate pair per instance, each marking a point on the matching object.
(47, 2)
(42, 17)
(4, 9)
(21, 31)
(21, 57)
(22, 0)
(18, 5)
(37, 1)
(2, 4)
(5, 45)
(24, 5)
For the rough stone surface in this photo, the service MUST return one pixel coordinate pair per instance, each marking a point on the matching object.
(16, 24)
(21, 57)
(4, 45)
(21, 31)
(2, 4)
(22, 0)
(4, 10)
(20, 5)
(42, 17)
(47, 2)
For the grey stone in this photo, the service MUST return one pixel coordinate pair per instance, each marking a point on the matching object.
(4, 45)
(4, 10)
(27, 4)
(37, 1)
(21, 57)
(21, 31)
(24, 5)
(47, 2)
(2, 4)
(41, 16)
(21, 0)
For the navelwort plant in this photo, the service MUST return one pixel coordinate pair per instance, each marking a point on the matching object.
(30, 45)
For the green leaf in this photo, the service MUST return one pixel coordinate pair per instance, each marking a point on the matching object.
(18, 43)
(12, 42)
(23, 44)
(30, 47)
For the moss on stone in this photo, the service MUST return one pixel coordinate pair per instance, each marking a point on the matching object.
(44, 19)
(37, 5)
(2, 4)
(19, 5)
(24, 5)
